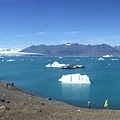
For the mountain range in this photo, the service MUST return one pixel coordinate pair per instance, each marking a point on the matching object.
(73, 49)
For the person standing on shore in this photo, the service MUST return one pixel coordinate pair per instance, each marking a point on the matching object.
(89, 104)
(106, 104)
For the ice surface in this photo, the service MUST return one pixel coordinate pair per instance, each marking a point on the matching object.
(75, 78)
(55, 64)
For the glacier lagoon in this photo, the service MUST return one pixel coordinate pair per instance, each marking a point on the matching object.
(30, 74)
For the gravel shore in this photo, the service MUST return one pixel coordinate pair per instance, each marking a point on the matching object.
(16, 104)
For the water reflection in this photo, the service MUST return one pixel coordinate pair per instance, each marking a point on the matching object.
(75, 91)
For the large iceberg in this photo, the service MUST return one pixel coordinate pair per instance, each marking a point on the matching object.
(75, 78)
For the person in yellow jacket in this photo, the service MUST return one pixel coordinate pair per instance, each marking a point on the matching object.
(106, 104)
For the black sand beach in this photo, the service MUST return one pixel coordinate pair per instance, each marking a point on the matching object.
(16, 104)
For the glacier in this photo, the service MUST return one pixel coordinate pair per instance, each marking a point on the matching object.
(9, 52)
(75, 78)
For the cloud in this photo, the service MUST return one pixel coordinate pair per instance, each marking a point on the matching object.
(25, 35)
(41, 33)
(111, 39)
(114, 36)
(73, 32)
(23, 44)
(22, 35)
(96, 41)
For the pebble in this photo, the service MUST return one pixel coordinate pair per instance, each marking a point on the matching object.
(3, 107)
(42, 103)
(2, 100)
(79, 110)
(7, 101)
(48, 98)
(3, 118)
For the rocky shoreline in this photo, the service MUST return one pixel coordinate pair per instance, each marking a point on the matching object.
(16, 104)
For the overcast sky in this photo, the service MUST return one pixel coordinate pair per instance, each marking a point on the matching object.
(29, 22)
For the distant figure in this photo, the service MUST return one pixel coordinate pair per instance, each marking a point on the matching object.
(12, 85)
(6, 86)
(89, 104)
(9, 86)
(106, 104)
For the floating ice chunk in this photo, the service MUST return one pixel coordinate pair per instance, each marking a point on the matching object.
(64, 66)
(100, 58)
(55, 64)
(60, 57)
(107, 56)
(114, 59)
(77, 59)
(10, 60)
(75, 78)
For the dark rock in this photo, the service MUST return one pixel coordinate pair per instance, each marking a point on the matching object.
(7, 108)
(42, 103)
(40, 110)
(2, 100)
(7, 101)
(48, 98)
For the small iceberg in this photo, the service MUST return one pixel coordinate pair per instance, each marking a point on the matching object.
(114, 59)
(10, 60)
(75, 78)
(60, 57)
(1, 58)
(100, 58)
(55, 64)
(107, 56)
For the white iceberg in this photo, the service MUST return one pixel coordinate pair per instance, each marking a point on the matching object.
(107, 56)
(75, 78)
(10, 60)
(55, 64)
(100, 58)
(114, 59)
(64, 66)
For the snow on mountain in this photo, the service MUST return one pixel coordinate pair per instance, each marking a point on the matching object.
(68, 44)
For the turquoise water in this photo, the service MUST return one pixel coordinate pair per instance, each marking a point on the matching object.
(30, 74)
